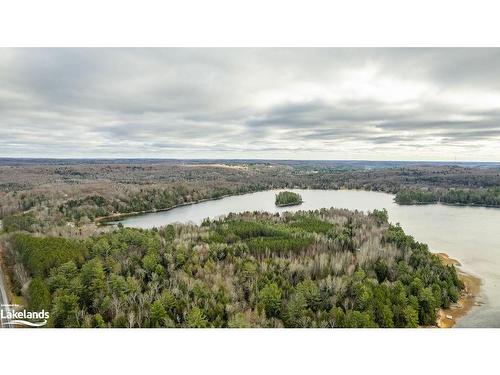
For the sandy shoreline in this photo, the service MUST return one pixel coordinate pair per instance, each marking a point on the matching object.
(447, 318)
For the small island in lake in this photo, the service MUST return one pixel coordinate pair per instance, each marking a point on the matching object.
(288, 198)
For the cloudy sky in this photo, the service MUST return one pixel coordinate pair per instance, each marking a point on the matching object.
(375, 104)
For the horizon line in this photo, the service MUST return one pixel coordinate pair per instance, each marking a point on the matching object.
(242, 159)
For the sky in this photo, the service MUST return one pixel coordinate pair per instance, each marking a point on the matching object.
(326, 103)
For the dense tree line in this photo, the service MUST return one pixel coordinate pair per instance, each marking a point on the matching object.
(21, 221)
(416, 197)
(480, 197)
(287, 198)
(96, 206)
(325, 268)
(78, 193)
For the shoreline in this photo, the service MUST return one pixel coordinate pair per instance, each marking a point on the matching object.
(446, 204)
(289, 204)
(447, 318)
(103, 219)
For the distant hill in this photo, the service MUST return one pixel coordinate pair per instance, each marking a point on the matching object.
(341, 164)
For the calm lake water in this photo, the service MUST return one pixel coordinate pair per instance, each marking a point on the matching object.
(468, 234)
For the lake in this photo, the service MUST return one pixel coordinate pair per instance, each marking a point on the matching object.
(469, 234)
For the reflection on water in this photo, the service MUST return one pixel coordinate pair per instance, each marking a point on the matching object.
(469, 234)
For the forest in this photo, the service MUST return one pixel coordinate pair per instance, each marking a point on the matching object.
(287, 198)
(325, 268)
(68, 197)
(478, 197)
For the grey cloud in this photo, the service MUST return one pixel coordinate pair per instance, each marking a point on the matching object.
(493, 135)
(267, 103)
